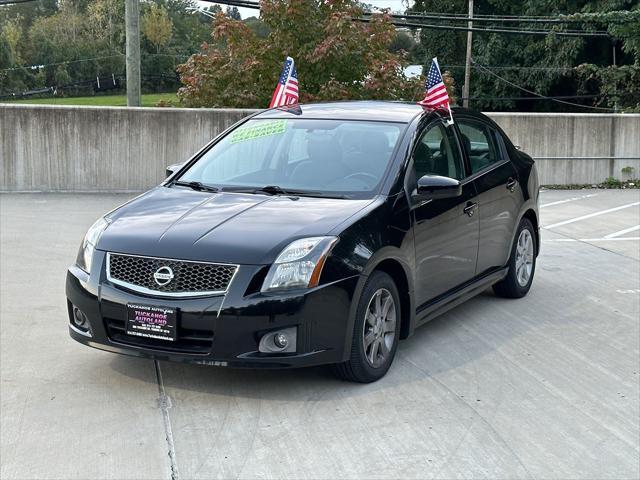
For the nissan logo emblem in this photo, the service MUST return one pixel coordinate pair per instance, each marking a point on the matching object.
(163, 276)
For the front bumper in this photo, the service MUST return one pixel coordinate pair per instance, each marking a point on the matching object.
(218, 330)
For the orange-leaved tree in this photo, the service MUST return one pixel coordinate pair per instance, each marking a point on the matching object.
(336, 57)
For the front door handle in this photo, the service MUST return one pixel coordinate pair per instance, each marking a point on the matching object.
(511, 184)
(470, 208)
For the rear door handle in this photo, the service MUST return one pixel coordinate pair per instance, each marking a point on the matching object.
(511, 184)
(470, 208)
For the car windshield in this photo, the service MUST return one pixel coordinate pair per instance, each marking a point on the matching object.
(299, 156)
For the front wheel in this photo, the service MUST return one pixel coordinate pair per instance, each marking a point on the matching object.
(375, 333)
(522, 263)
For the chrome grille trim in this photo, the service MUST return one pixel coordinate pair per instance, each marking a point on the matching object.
(159, 293)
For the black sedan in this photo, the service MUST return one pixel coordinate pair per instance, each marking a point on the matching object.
(314, 234)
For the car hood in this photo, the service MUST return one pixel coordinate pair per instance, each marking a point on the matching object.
(220, 227)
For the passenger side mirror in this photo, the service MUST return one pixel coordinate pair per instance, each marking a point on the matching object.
(171, 169)
(435, 186)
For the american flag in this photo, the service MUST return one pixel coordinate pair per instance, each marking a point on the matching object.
(286, 92)
(436, 93)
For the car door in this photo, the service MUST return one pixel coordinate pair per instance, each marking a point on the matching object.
(496, 181)
(445, 230)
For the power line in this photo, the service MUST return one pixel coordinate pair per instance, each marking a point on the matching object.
(237, 3)
(33, 67)
(173, 55)
(491, 30)
(515, 67)
(81, 84)
(13, 2)
(505, 30)
(550, 30)
(551, 97)
(52, 89)
(43, 65)
(483, 15)
(500, 18)
(535, 93)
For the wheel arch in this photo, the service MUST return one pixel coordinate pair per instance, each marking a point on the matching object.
(396, 271)
(390, 261)
(532, 216)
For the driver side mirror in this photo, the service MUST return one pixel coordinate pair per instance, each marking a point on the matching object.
(171, 169)
(435, 186)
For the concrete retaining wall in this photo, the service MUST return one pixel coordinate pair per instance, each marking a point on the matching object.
(56, 148)
(576, 148)
(53, 148)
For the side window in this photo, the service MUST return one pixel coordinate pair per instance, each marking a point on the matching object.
(479, 141)
(437, 153)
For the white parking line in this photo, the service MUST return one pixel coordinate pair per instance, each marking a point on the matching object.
(572, 199)
(594, 214)
(616, 239)
(622, 232)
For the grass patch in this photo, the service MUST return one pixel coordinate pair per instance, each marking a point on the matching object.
(148, 100)
(609, 183)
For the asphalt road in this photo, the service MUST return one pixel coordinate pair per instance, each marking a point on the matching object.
(542, 387)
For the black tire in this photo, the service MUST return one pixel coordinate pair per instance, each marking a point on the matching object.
(510, 286)
(359, 368)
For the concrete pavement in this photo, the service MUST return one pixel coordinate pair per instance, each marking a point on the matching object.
(542, 387)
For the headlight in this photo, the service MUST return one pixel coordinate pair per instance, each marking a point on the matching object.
(299, 265)
(85, 255)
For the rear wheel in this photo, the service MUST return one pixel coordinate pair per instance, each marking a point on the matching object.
(522, 263)
(376, 331)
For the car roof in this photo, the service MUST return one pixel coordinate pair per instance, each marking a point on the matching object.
(371, 110)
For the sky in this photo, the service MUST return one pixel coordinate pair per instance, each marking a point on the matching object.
(393, 4)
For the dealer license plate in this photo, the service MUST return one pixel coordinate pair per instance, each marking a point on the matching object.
(151, 321)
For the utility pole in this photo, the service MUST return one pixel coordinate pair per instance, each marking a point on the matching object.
(467, 63)
(615, 86)
(132, 25)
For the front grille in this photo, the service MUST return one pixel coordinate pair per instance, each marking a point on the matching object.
(182, 277)
(188, 341)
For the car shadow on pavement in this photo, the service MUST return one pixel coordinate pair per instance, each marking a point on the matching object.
(444, 344)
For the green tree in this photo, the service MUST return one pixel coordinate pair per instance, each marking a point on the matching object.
(105, 23)
(257, 26)
(233, 12)
(157, 26)
(78, 40)
(336, 58)
(190, 26)
(12, 33)
(402, 42)
(7, 81)
(62, 77)
(548, 65)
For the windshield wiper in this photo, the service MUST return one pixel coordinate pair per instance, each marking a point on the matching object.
(269, 190)
(199, 186)
(277, 190)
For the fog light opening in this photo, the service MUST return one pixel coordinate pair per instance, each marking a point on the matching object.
(279, 341)
(80, 322)
(79, 318)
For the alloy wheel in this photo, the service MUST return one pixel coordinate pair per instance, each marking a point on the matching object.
(524, 257)
(379, 330)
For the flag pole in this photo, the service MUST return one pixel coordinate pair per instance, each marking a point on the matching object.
(450, 121)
